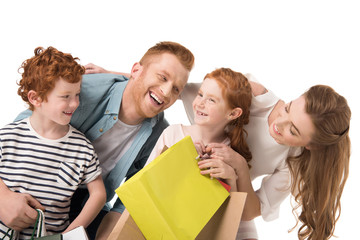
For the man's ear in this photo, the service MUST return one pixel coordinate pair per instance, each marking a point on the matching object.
(235, 113)
(34, 99)
(136, 70)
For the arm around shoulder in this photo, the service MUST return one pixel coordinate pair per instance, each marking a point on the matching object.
(257, 88)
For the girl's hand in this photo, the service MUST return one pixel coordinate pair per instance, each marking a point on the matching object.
(200, 148)
(217, 168)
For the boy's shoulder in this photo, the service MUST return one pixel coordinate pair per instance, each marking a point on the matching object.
(79, 136)
(20, 125)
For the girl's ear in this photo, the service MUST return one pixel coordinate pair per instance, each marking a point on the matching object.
(34, 99)
(136, 70)
(235, 113)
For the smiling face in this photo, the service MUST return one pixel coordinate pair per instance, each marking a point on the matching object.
(61, 102)
(292, 126)
(209, 106)
(157, 84)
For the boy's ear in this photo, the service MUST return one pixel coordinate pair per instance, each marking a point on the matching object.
(136, 70)
(235, 113)
(34, 99)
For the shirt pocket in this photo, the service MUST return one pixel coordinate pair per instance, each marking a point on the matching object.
(69, 174)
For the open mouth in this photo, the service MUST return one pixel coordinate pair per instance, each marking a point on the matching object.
(68, 113)
(276, 130)
(155, 98)
(201, 113)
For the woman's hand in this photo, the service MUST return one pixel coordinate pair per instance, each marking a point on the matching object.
(227, 154)
(217, 168)
(91, 68)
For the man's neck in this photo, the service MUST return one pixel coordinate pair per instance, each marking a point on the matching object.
(128, 112)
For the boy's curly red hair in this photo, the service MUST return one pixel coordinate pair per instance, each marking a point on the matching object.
(42, 71)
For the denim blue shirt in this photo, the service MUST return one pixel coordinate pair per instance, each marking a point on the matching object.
(100, 101)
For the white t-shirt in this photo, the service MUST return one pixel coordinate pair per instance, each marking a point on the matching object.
(113, 144)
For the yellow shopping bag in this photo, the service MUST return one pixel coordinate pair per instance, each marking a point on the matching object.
(169, 198)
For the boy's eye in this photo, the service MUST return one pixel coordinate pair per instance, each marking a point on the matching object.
(65, 96)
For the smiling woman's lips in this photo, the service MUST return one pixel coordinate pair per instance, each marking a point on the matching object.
(276, 130)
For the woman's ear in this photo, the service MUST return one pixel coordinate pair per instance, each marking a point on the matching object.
(136, 70)
(235, 113)
(34, 99)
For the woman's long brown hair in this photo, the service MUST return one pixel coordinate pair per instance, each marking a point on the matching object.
(320, 172)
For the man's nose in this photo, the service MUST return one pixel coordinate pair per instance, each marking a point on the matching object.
(166, 89)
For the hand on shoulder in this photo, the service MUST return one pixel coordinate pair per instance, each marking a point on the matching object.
(257, 88)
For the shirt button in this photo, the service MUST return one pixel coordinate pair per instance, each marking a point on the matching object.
(115, 118)
(101, 130)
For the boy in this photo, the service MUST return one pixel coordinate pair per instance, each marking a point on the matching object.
(45, 157)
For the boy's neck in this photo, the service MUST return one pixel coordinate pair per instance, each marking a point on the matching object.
(47, 128)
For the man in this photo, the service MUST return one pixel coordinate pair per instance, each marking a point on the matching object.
(124, 118)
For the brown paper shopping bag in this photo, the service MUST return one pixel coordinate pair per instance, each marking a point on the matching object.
(222, 226)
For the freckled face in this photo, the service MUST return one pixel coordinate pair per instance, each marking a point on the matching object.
(209, 106)
(292, 125)
(61, 102)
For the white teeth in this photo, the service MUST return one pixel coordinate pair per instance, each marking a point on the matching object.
(276, 129)
(156, 98)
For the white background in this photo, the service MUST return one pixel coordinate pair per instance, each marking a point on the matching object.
(288, 46)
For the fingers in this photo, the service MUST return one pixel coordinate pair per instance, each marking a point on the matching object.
(35, 204)
(200, 147)
(216, 168)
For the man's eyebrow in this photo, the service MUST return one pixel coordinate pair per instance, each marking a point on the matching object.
(292, 122)
(166, 73)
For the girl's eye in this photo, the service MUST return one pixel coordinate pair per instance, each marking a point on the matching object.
(176, 90)
(200, 94)
(212, 100)
(65, 96)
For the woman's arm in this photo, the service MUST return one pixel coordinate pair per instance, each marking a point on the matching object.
(96, 201)
(91, 68)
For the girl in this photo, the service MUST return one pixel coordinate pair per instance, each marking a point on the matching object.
(221, 109)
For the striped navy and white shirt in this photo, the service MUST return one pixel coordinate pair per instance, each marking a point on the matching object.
(48, 170)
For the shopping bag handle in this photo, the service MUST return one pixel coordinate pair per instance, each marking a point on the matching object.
(38, 226)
